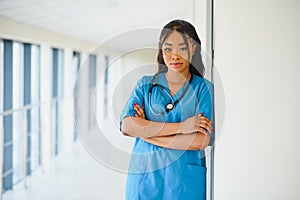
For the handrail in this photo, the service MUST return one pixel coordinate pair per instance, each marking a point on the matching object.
(26, 107)
(29, 106)
(23, 109)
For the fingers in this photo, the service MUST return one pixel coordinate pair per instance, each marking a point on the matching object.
(205, 123)
(202, 131)
(196, 123)
(139, 111)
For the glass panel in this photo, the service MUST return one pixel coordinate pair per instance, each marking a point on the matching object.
(57, 91)
(92, 84)
(76, 66)
(8, 121)
(106, 85)
(53, 103)
(60, 73)
(60, 94)
(1, 108)
(1, 76)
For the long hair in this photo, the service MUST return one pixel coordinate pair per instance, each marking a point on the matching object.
(186, 29)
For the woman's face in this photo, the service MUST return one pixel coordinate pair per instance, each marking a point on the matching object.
(176, 54)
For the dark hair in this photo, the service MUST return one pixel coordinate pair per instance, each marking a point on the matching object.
(186, 29)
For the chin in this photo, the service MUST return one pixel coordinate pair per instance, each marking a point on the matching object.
(179, 70)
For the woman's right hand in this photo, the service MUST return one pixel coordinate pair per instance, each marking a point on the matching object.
(195, 124)
(139, 111)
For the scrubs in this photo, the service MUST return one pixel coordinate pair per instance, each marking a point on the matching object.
(158, 173)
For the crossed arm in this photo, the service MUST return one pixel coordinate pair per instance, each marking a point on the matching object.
(188, 135)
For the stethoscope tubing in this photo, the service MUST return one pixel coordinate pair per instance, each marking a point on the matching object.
(173, 103)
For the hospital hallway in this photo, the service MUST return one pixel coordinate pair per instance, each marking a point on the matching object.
(75, 176)
(72, 70)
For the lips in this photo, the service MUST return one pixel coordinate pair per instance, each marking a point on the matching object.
(176, 65)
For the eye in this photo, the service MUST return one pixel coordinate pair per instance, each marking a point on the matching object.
(183, 49)
(167, 49)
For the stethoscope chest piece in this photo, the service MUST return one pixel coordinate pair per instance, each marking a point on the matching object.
(169, 107)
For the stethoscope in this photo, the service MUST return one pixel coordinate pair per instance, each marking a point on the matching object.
(171, 105)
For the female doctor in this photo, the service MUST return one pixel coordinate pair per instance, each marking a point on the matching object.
(170, 115)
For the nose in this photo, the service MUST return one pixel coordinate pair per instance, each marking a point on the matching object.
(175, 55)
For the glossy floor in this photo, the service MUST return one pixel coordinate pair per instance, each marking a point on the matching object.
(75, 176)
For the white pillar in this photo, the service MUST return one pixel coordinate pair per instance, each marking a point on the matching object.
(46, 91)
(67, 108)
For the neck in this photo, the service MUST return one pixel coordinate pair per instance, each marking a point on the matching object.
(177, 77)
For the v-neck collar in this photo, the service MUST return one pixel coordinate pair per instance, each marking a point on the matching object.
(179, 92)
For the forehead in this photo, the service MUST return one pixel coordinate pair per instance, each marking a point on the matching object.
(174, 38)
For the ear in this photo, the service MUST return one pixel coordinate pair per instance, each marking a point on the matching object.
(193, 48)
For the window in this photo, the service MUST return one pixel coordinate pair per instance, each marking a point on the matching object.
(76, 66)
(7, 120)
(1, 104)
(106, 75)
(57, 94)
(1, 79)
(20, 87)
(92, 85)
(31, 98)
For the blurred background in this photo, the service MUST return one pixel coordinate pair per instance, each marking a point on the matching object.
(67, 67)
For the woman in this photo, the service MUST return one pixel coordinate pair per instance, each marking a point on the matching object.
(169, 115)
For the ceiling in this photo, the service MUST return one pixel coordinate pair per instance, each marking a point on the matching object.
(94, 20)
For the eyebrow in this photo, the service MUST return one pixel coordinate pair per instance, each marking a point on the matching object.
(170, 44)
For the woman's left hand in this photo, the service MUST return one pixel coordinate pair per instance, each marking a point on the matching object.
(140, 112)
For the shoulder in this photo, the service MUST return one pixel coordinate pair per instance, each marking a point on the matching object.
(202, 86)
(201, 82)
(144, 80)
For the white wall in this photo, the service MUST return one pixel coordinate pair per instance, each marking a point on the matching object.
(135, 65)
(200, 21)
(133, 62)
(124, 71)
(257, 55)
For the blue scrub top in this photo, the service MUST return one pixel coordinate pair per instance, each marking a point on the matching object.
(160, 173)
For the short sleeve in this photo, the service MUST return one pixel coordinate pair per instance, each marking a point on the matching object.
(136, 96)
(206, 103)
(205, 100)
